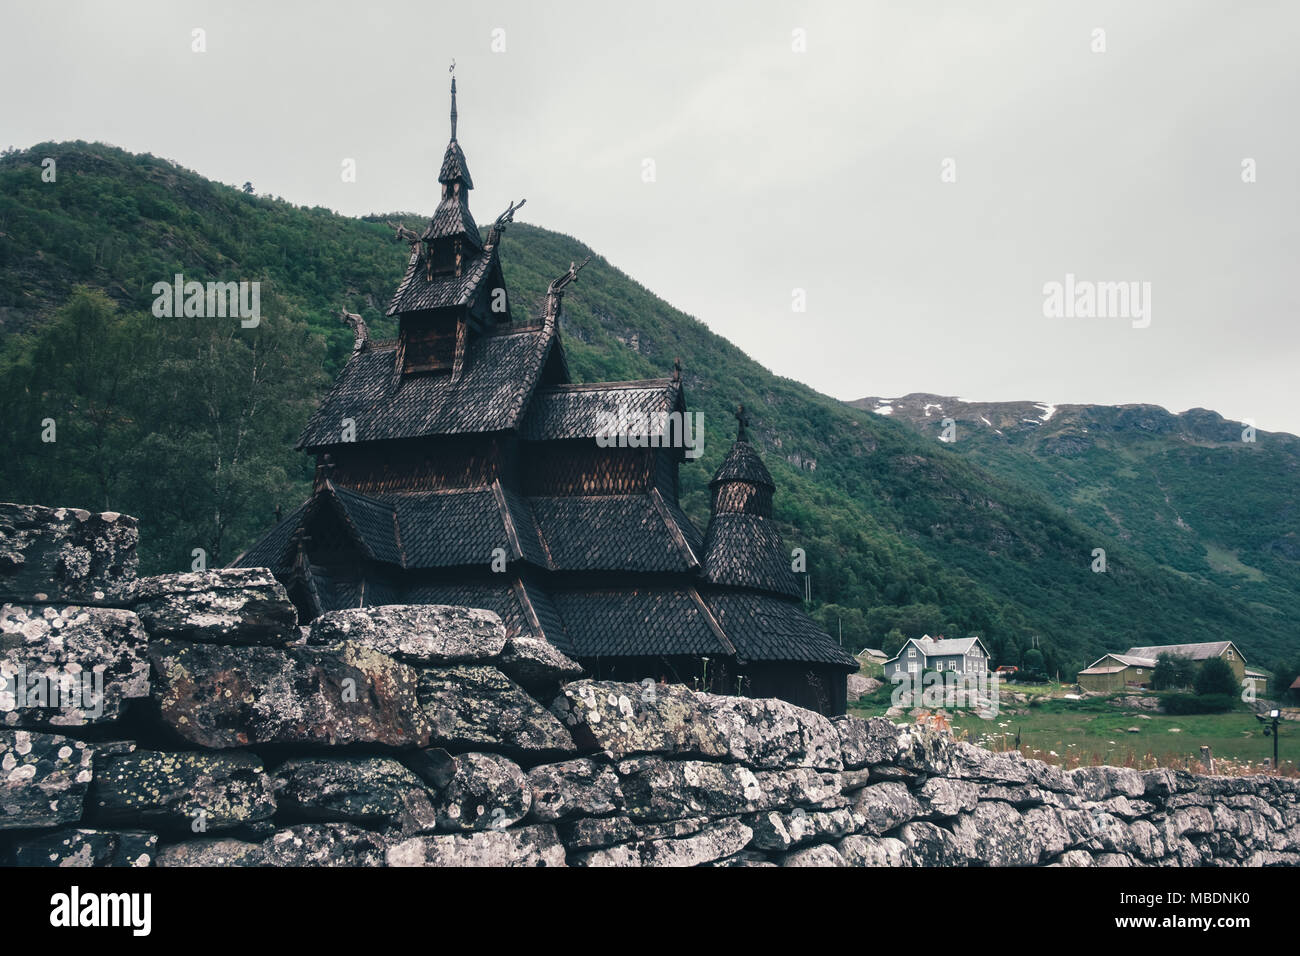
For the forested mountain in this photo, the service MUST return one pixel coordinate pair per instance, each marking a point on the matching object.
(190, 423)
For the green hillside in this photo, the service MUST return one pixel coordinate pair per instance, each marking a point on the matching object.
(189, 423)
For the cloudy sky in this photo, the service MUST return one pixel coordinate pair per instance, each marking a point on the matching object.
(794, 147)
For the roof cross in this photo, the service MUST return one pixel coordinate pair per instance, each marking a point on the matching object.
(742, 420)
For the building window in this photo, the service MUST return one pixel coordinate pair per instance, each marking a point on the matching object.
(1230, 654)
(952, 665)
(911, 652)
(911, 667)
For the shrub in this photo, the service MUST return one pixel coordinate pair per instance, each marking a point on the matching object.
(1184, 704)
(1216, 677)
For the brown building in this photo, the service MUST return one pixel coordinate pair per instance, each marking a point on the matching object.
(458, 464)
(1133, 668)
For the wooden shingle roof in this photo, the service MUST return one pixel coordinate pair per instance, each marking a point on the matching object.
(743, 464)
(578, 411)
(746, 550)
(501, 370)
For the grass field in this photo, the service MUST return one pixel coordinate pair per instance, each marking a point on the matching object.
(1093, 731)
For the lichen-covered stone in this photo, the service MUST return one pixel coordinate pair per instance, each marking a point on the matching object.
(943, 797)
(473, 706)
(721, 839)
(218, 697)
(416, 633)
(211, 851)
(518, 846)
(865, 743)
(77, 848)
(66, 555)
(775, 830)
(485, 792)
(357, 789)
(627, 719)
(931, 845)
(77, 665)
(823, 854)
(43, 779)
(227, 606)
(323, 844)
(996, 833)
(659, 789)
(536, 662)
(186, 791)
(769, 733)
(885, 806)
(861, 850)
(574, 787)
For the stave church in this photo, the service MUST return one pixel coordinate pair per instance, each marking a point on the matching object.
(459, 464)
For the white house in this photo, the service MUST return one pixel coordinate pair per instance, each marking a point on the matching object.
(967, 656)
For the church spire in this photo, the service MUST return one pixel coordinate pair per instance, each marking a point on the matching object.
(453, 100)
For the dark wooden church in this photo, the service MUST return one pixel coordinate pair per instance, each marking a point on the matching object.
(459, 465)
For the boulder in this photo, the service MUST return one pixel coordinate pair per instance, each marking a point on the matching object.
(187, 792)
(574, 787)
(485, 792)
(358, 789)
(473, 706)
(219, 697)
(520, 846)
(43, 779)
(87, 848)
(415, 633)
(769, 733)
(627, 719)
(860, 684)
(228, 606)
(66, 665)
(66, 555)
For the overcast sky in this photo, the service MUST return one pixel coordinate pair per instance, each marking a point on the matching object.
(778, 169)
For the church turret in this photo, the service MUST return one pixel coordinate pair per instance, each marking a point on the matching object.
(742, 547)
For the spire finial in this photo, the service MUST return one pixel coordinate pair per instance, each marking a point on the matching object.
(742, 422)
(452, 70)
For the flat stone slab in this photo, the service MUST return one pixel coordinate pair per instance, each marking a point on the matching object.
(67, 665)
(187, 791)
(416, 633)
(76, 848)
(228, 606)
(66, 555)
(43, 779)
(219, 697)
(519, 846)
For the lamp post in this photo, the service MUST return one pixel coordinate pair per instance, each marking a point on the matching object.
(1270, 723)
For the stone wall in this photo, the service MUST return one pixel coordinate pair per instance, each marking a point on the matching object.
(423, 736)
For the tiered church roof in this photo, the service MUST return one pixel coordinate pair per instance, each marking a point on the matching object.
(459, 465)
